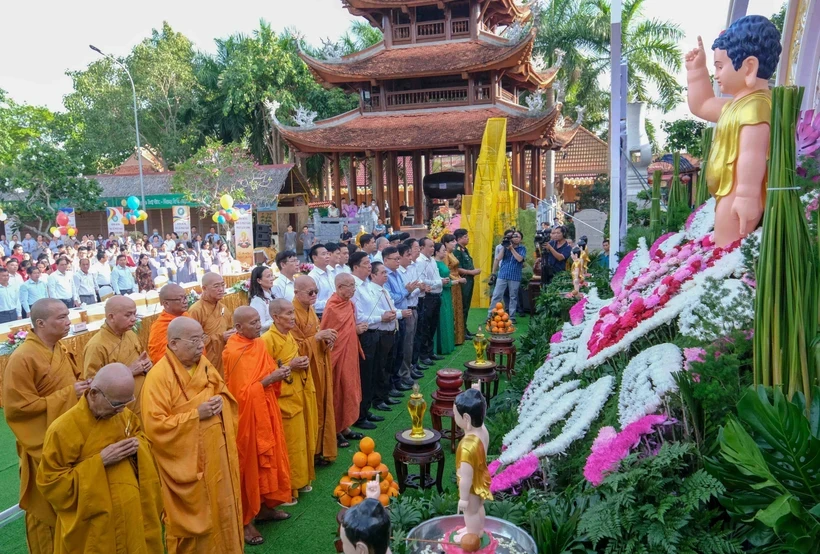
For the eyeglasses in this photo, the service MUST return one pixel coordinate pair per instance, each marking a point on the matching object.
(180, 299)
(199, 341)
(115, 405)
(311, 292)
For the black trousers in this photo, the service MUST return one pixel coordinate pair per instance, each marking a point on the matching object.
(419, 336)
(466, 299)
(376, 346)
(398, 355)
(429, 324)
(68, 303)
(8, 315)
(384, 366)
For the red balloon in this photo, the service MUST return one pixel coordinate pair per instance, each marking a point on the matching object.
(63, 229)
(223, 213)
(62, 218)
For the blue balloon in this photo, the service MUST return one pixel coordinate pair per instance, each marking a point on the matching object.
(133, 202)
(221, 219)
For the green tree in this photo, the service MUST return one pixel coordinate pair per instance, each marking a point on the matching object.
(20, 124)
(43, 178)
(684, 135)
(779, 18)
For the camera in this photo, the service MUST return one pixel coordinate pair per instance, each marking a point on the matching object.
(541, 237)
(507, 240)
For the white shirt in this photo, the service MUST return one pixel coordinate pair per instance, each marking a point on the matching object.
(428, 273)
(10, 299)
(170, 244)
(371, 302)
(341, 268)
(377, 257)
(409, 275)
(102, 273)
(326, 285)
(262, 306)
(61, 286)
(15, 282)
(84, 285)
(282, 288)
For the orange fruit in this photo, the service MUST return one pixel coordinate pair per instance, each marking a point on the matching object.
(354, 472)
(381, 468)
(384, 499)
(359, 459)
(505, 317)
(367, 472)
(338, 491)
(355, 489)
(345, 500)
(374, 459)
(367, 445)
(394, 485)
(394, 491)
(344, 482)
(384, 486)
(499, 306)
(356, 500)
(389, 477)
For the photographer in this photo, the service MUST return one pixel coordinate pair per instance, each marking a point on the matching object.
(554, 254)
(510, 260)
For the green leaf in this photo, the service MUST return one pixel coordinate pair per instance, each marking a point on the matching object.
(775, 511)
(738, 448)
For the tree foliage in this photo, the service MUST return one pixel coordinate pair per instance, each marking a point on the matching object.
(20, 125)
(684, 135)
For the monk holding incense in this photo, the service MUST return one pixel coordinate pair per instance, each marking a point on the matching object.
(210, 312)
(174, 303)
(340, 314)
(297, 400)
(256, 382)
(40, 384)
(99, 475)
(190, 418)
(316, 345)
(117, 342)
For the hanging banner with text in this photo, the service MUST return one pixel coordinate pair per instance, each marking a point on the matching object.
(243, 233)
(182, 221)
(116, 223)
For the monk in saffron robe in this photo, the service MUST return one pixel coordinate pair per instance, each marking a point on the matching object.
(174, 303)
(340, 314)
(297, 400)
(116, 342)
(40, 384)
(210, 312)
(316, 345)
(256, 382)
(190, 418)
(99, 475)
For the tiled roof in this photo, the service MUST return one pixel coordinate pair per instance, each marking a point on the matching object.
(415, 130)
(585, 153)
(504, 11)
(688, 163)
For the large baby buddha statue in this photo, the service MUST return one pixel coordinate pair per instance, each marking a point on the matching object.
(746, 55)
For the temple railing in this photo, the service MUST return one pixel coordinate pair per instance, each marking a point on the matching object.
(401, 33)
(430, 30)
(508, 96)
(460, 27)
(409, 99)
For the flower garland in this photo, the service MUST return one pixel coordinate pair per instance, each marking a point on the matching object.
(692, 318)
(701, 221)
(438, 228)
(638, 263)
(646, 379)
(241, 286)
(610, 447)
(12, 342)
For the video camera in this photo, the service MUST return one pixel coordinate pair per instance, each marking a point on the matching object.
(507, 240)
(541, 236)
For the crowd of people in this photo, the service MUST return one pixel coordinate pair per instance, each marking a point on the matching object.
(222, 418)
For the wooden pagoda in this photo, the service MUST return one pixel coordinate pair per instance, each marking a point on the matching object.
(427, 90)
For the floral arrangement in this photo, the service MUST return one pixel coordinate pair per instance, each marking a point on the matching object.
(12, 342)
(438, 228)
(192, 297)
(610, 447)
(241, 286)
(646, 380)
(304, 269)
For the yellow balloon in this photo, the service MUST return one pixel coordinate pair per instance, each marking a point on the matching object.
(215, 218)
(72, 231)
(235, 216)
(226, 201)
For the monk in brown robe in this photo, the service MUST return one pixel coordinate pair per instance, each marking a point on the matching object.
(117, 342)
(40, 384)
(210, 312)
(316, 344)
(297, 401)
(174, 303)
(190, 418)
(340, 314)
(99, 474)
(256, 382)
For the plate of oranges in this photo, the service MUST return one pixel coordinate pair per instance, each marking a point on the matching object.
(499, 321)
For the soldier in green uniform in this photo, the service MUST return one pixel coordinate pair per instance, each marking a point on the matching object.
(465, 269)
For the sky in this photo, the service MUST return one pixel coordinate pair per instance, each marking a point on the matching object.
(38, 49)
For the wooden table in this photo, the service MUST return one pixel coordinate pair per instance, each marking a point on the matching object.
(423, 453)
(504, 347)
(483, 374)
(449, 386)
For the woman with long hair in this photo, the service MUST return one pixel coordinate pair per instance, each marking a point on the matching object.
(449, 242)
(144, 274)
(445, 335)
(260, 294)
(224, 259)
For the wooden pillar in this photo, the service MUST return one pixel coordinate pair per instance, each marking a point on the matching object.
(393, 190)
(337, 180)
(351, 186)
(468, 170)
(515, 166)
(522, 175)
(538, 187)
(448, 26)
(418, 190)
(378, 182)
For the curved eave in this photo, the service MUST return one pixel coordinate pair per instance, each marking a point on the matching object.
(506, 12)
(562, 138)
(530, 78)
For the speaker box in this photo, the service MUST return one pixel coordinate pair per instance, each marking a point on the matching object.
(262, 235)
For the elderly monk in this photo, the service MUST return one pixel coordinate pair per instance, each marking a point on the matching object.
(297, 401)
(117, 342)
(98, 472)
(190, 419)
(340, 314)
(256, 382)
(39, 385)
(316, 344)
(210, 312)
(174, 302)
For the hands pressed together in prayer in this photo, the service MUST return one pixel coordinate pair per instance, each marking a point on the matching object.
(81, 386)
(210, 407)
(118, 451)
(279, 374)
(141, 365)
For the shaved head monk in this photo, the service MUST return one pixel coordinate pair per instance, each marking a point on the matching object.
(297, 401)
(117, 342)
(190, 419)
(212, 315)
(99, 474)
(255, 380)
(340, 314)
(316, 345)
(174, 303)
(39, 385)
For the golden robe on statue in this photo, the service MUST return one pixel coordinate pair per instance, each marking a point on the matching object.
(38, 387)
(197, 459)
(158, 335)
(307, 325)
(100, 509)
(107, 348)
(297, 402)
(471, 450)
(215, 321)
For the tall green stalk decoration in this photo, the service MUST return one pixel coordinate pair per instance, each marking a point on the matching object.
(655, 209)
(677, 206)
(786, 302)
(702, 190)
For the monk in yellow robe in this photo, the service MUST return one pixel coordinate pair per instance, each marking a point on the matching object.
(256, 382)
(316, 344)
(190, 418)
(99, 475)
(297, 401)
(117, 342)
(210, 312)
(40, 384)
(174, 303)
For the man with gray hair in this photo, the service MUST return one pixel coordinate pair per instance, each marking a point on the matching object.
(381, 244)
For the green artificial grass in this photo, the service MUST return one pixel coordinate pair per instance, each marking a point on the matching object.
(312, 526)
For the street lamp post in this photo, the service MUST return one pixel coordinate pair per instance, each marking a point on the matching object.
(136, 126)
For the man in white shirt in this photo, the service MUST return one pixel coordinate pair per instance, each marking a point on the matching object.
(381, 244)
(344, 258)
(288, 265)
(368, 245)
(406, 371)
(15, 279)
(10, 309)
(61, 284)
(322, 275)
(85, 288)
(431, 304)
(101, 270)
